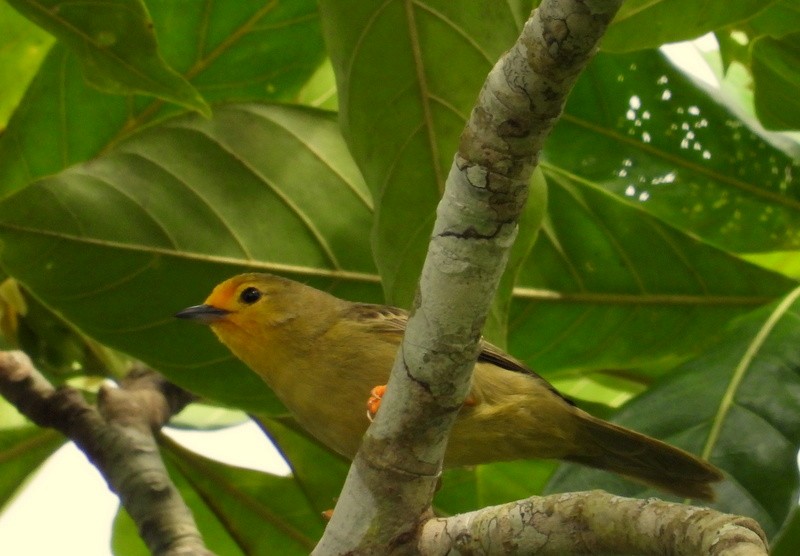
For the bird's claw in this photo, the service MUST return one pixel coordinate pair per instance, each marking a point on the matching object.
(377, 393)
(374, 401)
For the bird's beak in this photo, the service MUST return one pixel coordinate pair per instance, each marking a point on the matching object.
(205, 314)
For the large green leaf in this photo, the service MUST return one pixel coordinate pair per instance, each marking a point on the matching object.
(22, 450)
(319, 472)
(738, 405)
(639, 128)
(116, 44)
(650, 23)
(776, 81)
(229, 51)
(22, 47)
(634, 124)
(120, 244)
(608, 285)
(259, 512)
(56, 350)
(779, 19)
(787, 540)
(430, 59)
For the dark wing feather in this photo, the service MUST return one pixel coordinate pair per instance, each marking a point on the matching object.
(391, 320)
(496, 356)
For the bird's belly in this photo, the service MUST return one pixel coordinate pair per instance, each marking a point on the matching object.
(333, 411)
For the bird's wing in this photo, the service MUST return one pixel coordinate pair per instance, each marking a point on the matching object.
(382, 319)
(499, 358)
(392, 322)
(490, 353)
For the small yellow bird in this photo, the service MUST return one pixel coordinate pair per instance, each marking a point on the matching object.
(322, 356)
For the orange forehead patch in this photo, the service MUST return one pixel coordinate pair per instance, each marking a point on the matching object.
(223, 294)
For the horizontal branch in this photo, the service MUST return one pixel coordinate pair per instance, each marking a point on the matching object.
(593, 522)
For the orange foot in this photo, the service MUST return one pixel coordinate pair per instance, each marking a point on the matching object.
(374, 401)
(377, 393)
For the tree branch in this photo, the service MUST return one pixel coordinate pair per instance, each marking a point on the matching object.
(591, 523)
(391, 483)
(117, 437)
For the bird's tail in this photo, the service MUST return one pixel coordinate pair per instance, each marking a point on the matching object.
(644, 459)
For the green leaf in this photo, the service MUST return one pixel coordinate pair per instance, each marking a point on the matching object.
(467, 489)
(319, 472)
(56, 349)
(116, 44)
(785, 262)
(230, 51)
(600, 392)
(788, 538)
(204, 417)
(320, 90)
(22, 450)
(777, 20)
(255, 186)
(430, 61)
(609, 286)
(731, 49)
(244, 511)
(738, 405)
(22, 48)
(503, 482)
(125, 537)
(776, 81)
(639, 128)
(643, 24)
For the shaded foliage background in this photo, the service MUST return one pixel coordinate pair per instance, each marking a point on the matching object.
(664, 270)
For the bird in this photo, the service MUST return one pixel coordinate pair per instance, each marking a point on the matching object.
(324, 356)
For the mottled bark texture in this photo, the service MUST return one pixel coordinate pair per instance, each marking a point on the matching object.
(593, 523)
(391, 483)
(117, 437)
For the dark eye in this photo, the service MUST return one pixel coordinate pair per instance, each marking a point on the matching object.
(249, 295)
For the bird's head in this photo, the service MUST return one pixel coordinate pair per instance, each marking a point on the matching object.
(260, 317)
(248, 301)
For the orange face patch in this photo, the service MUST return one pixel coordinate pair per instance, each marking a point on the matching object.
(224, 294)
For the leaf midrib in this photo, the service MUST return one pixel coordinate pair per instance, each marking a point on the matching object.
(727, 400)
(536, 294)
